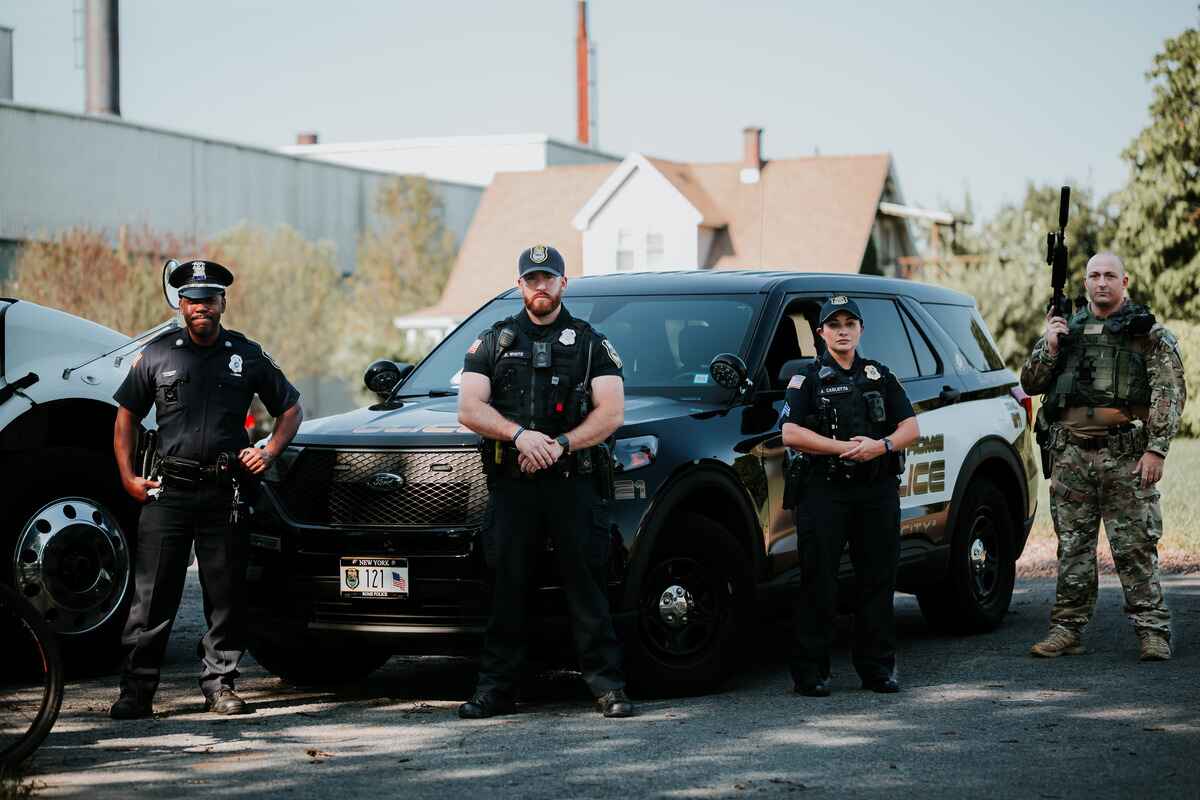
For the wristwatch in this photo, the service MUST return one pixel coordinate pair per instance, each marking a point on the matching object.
(887, 445)
(564, 441)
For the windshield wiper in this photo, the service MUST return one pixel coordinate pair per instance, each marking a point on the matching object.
(449, 392)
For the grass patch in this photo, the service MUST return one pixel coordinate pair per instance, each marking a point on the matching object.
(1179, 550)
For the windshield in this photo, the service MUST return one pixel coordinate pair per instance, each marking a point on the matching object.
(665, 342)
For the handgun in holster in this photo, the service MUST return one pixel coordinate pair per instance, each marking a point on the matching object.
(795, 480)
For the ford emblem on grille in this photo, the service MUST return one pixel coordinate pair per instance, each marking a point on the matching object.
(385, 482)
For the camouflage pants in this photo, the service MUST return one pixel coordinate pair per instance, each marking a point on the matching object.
(1085, 487)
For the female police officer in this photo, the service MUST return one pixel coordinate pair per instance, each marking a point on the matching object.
(851, 417)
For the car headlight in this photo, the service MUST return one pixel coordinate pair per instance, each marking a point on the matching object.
(281, 466)
(635, 452)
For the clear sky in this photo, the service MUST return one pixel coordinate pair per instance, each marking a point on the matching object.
(975, 95)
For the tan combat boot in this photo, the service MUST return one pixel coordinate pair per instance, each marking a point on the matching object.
(1059, 641)
(1155, 646)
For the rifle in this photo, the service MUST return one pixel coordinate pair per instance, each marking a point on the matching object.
(1056, 258)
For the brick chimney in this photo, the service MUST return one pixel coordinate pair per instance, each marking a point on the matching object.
(308, 137)
(752, 160)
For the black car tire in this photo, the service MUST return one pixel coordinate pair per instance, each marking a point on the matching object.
(975, 594)
(310, 664)
(85, 481)
(702, 558)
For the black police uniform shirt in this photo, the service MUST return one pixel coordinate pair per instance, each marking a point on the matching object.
(547, 410)
(802, 398)
(201, 394)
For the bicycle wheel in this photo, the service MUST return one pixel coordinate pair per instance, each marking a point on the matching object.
(31, 678)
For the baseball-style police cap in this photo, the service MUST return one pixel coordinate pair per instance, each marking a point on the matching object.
(199, 279)
(839, 303)
(541, 258)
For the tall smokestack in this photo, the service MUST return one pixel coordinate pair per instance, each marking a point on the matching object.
(103, 62)
(582, 126)
(6, 64)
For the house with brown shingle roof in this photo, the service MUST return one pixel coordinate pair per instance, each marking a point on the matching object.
(818, 213)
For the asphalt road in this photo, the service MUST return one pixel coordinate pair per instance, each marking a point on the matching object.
(977, 717)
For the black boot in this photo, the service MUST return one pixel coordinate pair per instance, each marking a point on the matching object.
(226, 702)
(615, 704)
(134, 703)
(486, 704)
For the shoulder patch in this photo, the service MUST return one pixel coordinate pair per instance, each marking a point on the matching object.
(612, 353)
(796, 382)
(267, 356)
(474, 347)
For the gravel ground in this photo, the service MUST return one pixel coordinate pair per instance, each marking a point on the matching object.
(977, 716)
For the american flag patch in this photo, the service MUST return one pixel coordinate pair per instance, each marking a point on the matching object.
(474, 346)
(796, 382)
(398, 581)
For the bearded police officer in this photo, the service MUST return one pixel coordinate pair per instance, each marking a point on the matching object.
(200, 382)
(851, 418)
(545, 391)
(1114, 392)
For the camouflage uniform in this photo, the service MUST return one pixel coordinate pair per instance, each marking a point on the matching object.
(1093, 479)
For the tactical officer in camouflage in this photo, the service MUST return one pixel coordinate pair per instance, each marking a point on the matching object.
(545, 391)
(1114, 392)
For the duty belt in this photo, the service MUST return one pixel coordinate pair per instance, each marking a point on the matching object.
(1127, 438)
(509, 466)
(187, 473)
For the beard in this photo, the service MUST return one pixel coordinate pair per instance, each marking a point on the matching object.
(541, 305)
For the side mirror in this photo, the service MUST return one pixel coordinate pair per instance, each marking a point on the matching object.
(383, 376)
(170, 293)
(729, 372)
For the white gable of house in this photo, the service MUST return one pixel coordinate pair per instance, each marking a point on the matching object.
(638, 221)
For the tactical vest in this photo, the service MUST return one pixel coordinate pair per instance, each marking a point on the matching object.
(539, 383)
(850, 405)
(1102, 365)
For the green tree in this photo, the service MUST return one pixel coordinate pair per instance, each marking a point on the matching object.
(1009, 278)
(402, 266)
(1159, 230)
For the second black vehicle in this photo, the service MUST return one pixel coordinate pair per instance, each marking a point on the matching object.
(366, 536)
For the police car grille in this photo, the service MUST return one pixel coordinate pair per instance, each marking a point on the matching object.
(439, 488)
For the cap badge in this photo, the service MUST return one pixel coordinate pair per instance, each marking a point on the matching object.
(198, 273)
(838, 300)
(567, 337)
(235, 364)
(871, 372)
(538, 254)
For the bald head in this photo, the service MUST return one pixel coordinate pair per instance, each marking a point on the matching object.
(1105, 258)
(1105, 281)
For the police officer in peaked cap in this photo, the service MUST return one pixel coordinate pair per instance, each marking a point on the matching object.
(200, 381)
(851, 418)
(545, 391)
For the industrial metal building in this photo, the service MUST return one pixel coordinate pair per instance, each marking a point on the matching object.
(59, 170)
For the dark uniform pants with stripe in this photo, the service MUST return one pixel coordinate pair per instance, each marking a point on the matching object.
(522, 515)
(867, 517)
(166, 531)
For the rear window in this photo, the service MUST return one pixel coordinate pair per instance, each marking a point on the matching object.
(970, 333)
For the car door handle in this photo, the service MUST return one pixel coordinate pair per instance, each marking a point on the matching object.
(950, 394)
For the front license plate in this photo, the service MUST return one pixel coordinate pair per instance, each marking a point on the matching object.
(374, 577)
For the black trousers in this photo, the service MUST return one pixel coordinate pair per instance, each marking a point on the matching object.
(522, 513)
(867, 516)
(167, 529)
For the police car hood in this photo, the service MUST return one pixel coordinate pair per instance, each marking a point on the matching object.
(424, 422)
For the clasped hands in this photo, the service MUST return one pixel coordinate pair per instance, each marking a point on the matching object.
(536, 451)
(865, 449)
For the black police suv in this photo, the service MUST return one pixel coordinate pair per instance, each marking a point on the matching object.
(366, 534)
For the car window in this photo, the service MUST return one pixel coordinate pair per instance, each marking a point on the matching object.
(927, 361)
(970, 333)
(884, 338)
(665, 342)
